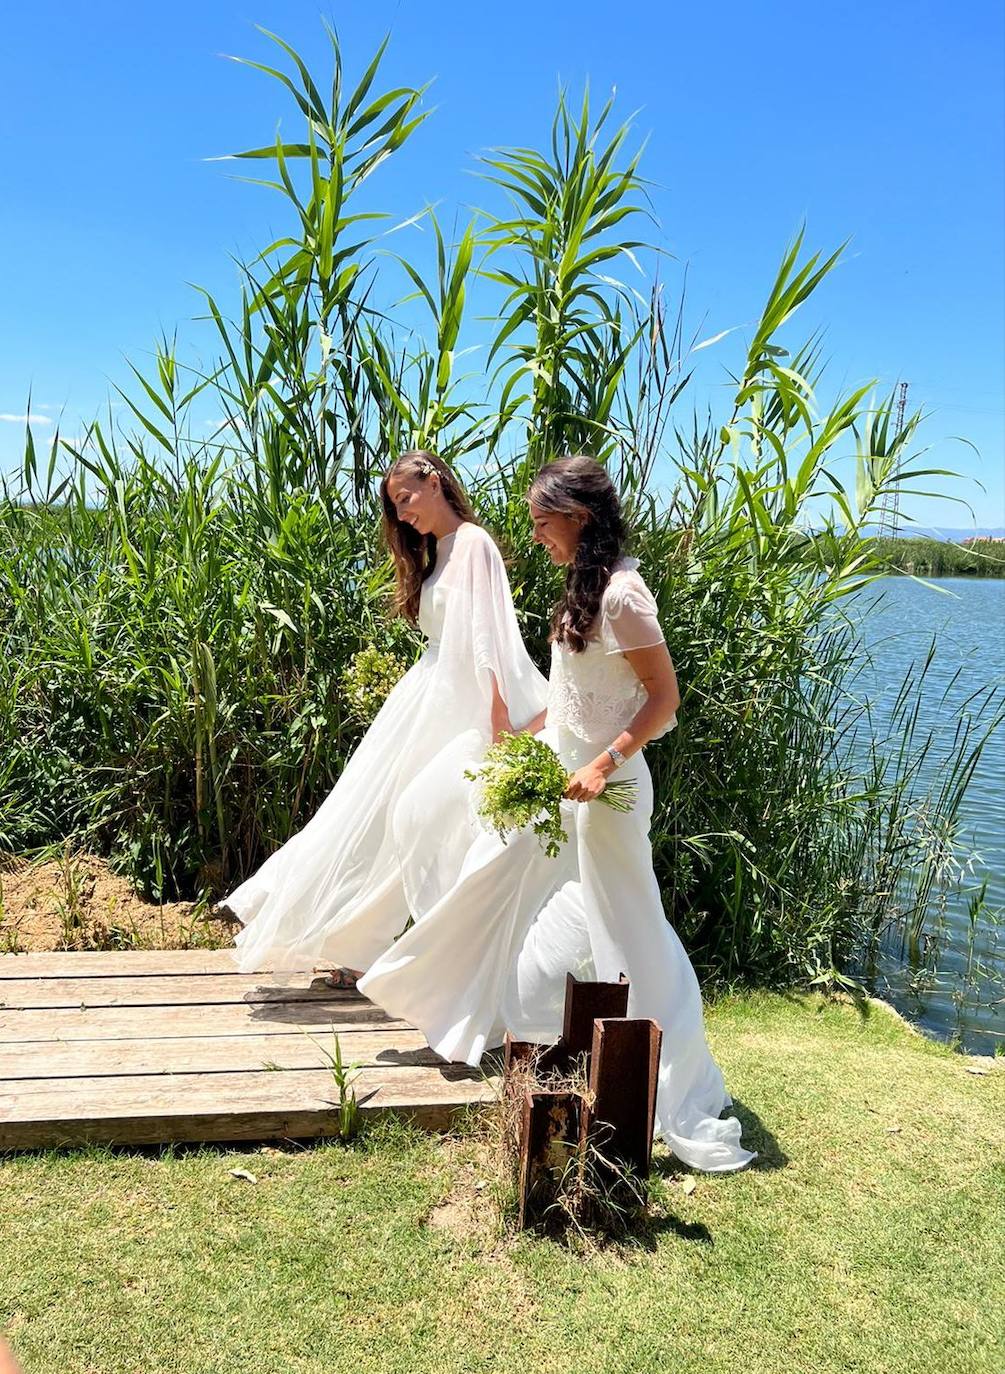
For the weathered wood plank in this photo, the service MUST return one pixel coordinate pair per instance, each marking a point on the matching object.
(152, 990)
(150, 1023)
(191, 1107)
(176, 1093)
(213, 1054)
(146, 1047)
(118, 963)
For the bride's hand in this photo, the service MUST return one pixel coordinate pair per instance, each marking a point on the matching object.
(586, 784)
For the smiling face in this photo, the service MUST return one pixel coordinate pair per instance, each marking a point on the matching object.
(557, 534)
(417, 501)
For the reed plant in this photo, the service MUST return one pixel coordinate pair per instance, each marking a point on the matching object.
(182, 594)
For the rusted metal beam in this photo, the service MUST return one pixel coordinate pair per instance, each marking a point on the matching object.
(549, 1136)
(518, 1053)
(584, 1003)
(603, 1130)
(624, 1071)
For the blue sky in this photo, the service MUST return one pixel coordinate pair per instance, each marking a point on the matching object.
(882, 124)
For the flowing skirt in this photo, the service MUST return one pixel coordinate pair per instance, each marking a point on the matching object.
(345, 885)
(492, 953)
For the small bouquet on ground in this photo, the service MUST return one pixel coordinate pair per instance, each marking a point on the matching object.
(368, 680)
(523, 782)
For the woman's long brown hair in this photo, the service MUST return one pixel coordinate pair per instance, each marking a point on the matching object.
(580, 486)
(414, 554)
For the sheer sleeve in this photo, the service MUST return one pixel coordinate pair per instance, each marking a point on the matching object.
(481, 639)
(628, 615)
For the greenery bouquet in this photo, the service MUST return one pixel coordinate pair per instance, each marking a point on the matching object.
(523, 782)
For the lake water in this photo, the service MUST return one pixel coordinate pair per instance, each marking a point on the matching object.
(967, 998)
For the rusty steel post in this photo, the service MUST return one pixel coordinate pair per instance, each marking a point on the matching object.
(548, 1144)
(610, 1128)
(624, 1070)
(584, 1003)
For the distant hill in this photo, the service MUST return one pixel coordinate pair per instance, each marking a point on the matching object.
(934, 557)
(946, 532)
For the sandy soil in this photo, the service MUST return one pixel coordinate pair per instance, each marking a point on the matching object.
(77, 902)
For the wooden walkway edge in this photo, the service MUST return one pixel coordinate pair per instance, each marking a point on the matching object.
(152, 1047)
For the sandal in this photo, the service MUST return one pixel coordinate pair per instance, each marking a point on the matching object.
(342, 979)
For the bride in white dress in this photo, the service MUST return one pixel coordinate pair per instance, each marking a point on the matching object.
(344, 886)
(491, 955)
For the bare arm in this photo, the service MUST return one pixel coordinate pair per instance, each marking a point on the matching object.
(500, 713)
(8, 1364)
(654, 669)
(536, 724)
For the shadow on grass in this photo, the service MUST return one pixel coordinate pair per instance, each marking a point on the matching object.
(645, 1231)
(649, 1231)
(855, 997)
(755, 1135)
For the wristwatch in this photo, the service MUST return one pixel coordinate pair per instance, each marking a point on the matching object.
(617, 757)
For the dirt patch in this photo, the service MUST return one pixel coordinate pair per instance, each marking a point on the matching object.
(460, 1218)
(471, 1208)
(77, 902)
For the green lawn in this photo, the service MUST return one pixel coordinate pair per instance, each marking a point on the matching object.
(871, 1237)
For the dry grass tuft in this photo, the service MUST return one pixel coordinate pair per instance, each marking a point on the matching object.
(76, 902)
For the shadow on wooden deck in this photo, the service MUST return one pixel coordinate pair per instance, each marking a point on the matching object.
(151, 1047)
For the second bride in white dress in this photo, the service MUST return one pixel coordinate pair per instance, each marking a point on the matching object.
(492, 954)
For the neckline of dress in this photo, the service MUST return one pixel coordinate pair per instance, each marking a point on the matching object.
(448, 538)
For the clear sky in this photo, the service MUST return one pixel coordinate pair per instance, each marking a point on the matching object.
(885, 124)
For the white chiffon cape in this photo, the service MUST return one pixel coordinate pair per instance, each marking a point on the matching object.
(344, 886)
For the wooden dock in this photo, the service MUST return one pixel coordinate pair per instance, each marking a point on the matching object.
(148, 1047)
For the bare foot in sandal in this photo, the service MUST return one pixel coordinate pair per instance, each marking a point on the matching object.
(343, 979)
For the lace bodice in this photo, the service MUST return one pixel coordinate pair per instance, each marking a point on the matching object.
(595, 694)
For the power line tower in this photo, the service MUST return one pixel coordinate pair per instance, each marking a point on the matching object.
(889, 515)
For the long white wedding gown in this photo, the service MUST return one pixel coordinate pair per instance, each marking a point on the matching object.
(491, 955)
(345, 885)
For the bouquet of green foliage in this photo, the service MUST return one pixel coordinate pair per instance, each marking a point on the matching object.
(523, 782)
(368, 680)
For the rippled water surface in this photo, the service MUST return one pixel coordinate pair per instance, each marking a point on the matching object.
(968, 617)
